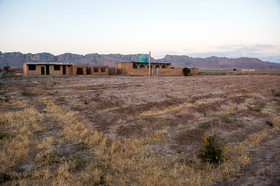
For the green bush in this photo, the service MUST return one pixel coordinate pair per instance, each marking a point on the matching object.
(212, 149)
(4, 135)
(186, 71)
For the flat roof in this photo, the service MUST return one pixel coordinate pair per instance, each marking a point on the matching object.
(144, 62)
(47, 63)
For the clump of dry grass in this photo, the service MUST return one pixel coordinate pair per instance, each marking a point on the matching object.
(49, 84)
(80, 87)
(15, 103)
(156, 112)
(33, 91)
(20, 125)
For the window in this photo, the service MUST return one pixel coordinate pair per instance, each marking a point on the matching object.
(102, 69)
(56, 67)
(163, 66)
(95, 69)
(31, 67)
(134, 65)
(157, 66)
(142, 66)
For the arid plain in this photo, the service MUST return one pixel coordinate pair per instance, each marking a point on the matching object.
(121, 130)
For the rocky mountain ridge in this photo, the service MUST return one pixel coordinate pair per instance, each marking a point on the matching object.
(16, 59)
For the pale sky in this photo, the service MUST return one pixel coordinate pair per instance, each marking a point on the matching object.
(198, 28)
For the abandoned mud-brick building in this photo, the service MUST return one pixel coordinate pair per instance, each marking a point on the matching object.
(63, 69)
(141, 68)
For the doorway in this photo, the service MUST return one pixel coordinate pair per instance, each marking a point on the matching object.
(47, 69)
(154, 72)
(80, 71)
(64, 69)
(42, 70)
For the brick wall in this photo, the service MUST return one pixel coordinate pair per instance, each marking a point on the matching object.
(170, 72)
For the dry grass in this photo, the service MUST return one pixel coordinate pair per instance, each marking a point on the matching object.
(20, 125)
(15, 103)
(33, 91)
(131, 162)
(80, 87)
(156, 112)
(118, 162)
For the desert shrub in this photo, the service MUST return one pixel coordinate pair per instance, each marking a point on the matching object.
(213, 152)
(205, 125)
(78, 164)
(7, 68)
(226, 118)
(26, 93)
(186, 71)
(4, 135)
(257, 107)
(277, 94)
(4, 177)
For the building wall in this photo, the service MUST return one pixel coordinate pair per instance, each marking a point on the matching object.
(26, 71)
(105, 70)
(94, 70)
(127, 69)
(37, 71)
(194, 71)
(176, 72)
(112, 71)
(170, 72)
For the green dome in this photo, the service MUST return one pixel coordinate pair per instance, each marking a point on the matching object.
(143, 58)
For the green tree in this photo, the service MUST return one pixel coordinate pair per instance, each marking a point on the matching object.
(186, 71)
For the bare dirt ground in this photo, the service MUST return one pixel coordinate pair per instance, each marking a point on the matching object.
(165, 115)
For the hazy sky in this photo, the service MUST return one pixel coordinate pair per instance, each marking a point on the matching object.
(230, 28)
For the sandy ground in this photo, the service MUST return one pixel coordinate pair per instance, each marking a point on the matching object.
(130, 107)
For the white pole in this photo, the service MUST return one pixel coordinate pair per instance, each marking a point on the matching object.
(149, 63)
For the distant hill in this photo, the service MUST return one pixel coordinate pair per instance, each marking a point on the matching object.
(220, 62)
(16, 59)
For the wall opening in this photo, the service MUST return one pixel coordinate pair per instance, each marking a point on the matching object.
(95, 69)
(163, 66)
(56, 67)
(142, 66)
(134, 66)
(102, 69)
(42, 70)
(157, 66)
(31, 67)
(80, 71)
(64, 69)
(88, 70)
(47, 69)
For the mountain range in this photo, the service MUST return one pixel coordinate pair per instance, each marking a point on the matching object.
(16, 59)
